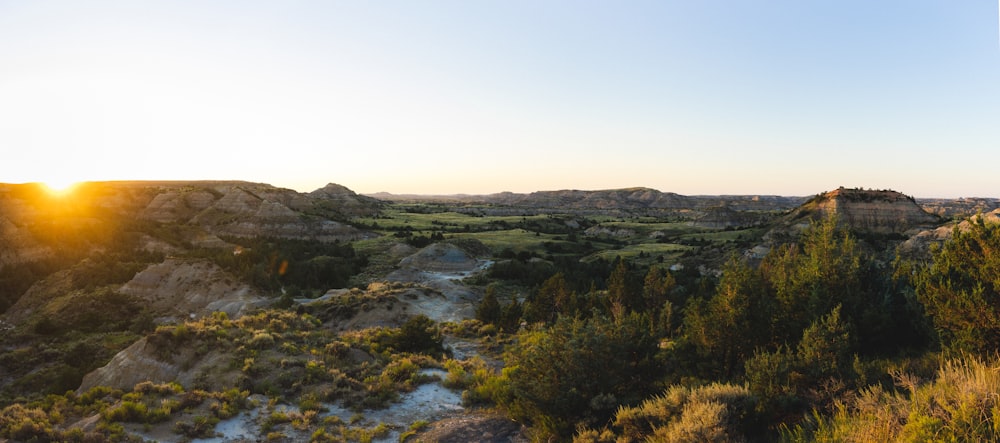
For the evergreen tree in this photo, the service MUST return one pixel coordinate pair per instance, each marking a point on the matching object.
(489, 310)
(727, 328)
(810, 279)
(579, 371)
(961, 289)
(618, 290)
(656, 287)
(825, 348)
(510, 320)
(552, 298)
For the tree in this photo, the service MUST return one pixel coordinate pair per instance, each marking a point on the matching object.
(621, 296)
(656, 287)
(489, 310)
(960, 290)
(825, 348)
(510, 320)
(578, 371)
(810, 279)
(552, 298)
(728, 327)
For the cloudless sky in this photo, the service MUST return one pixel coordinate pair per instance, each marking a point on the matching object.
(784, 97)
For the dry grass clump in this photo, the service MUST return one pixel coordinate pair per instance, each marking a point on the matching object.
(961, 404)
(712, 413)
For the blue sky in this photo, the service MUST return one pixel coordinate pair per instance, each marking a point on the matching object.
(694, 97)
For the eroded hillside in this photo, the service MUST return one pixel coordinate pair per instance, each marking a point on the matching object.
(238, 311)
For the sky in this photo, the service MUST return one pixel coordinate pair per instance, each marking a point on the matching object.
(786, 97)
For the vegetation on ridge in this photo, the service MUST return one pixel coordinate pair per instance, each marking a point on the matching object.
(591, 328)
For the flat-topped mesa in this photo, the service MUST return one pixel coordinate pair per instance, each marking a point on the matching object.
(875, 211)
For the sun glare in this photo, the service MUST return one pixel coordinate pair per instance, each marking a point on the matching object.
(60, 187)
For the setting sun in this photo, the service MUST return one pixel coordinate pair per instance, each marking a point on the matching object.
(60, 187)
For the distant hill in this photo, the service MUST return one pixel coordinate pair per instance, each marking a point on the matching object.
(959, 207)
(34, 222)
(628, 199)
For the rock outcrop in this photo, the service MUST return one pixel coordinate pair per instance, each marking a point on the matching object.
(918, 246)
(881, 212)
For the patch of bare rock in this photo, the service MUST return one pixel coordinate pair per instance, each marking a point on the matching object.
(474, 427)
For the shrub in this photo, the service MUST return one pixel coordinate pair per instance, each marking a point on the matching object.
(960, 404)
(418, 335)
(127, 411)
(577, 371)
(200, 427)
(261, 340)
(716, 412)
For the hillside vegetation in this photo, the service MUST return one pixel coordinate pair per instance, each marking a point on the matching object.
(183, 310)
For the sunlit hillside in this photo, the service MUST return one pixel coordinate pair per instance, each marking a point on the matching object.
(237, 311)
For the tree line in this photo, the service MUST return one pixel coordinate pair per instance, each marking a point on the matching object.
(814, 323)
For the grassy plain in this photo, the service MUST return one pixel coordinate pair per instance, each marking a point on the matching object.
(396, 218)
(671, 252)
(645, 239)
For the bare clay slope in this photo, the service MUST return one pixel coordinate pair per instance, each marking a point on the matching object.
(177, 289)
(252, 210)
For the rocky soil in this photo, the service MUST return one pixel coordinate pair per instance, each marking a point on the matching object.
(480, 427)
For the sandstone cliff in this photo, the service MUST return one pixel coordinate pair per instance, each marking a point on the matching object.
(882, 212)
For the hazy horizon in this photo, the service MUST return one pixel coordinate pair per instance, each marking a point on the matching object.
(475, 194)
(441, 97)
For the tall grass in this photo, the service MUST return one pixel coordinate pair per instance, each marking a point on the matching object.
(712, 413)
(962, 403)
